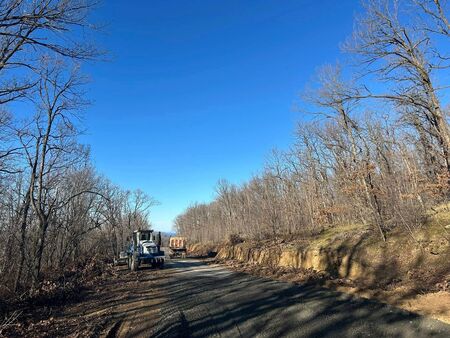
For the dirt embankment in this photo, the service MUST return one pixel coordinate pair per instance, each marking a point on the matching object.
(409, 270)
(200, 250)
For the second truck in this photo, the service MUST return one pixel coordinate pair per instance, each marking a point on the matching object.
(177, 246)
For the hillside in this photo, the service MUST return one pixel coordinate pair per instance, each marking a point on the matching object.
(410, 269)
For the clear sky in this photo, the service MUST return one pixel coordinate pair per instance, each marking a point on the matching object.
(201, 90)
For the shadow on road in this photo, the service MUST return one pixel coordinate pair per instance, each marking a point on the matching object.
(209, 300)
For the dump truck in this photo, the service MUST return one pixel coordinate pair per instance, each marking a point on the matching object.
(178, 247)
(145, 248)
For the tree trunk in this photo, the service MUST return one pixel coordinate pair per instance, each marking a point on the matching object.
(23, 229)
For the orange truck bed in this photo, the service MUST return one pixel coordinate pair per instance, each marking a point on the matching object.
(177, 243)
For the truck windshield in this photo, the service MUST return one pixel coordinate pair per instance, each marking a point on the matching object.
(145, 236)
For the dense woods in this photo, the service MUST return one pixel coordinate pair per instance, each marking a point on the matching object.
(55, 209)
(375, 147)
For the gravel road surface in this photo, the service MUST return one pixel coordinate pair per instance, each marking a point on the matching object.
(203, 300)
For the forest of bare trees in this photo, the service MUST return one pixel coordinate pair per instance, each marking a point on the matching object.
(373, 147)
(55, 209)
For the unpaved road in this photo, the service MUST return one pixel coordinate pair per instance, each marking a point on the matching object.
(209, 300)
(192, 299)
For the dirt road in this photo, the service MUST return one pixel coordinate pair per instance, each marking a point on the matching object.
(192, 299)
(209, 300)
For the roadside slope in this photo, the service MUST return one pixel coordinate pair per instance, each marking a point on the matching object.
(410, 269)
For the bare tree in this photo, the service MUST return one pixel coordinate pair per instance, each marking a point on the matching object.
(54, 206)
(402, 55)
(437, 10)
(51, 149)
(31, 29)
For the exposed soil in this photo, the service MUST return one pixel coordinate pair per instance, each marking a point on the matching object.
(125, 303)
(436, 305)
(410, 270)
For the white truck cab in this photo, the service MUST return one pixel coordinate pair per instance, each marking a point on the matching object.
(145, 248)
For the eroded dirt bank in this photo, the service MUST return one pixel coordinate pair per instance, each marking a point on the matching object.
(413, 273)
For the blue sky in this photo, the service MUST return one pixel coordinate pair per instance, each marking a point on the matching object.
(196, 91)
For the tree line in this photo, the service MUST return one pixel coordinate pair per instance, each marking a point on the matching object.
(55, 209)
(374, 148)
